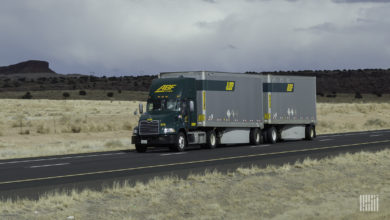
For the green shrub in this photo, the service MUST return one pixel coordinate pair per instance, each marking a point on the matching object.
(66, 95)
(27, 96)
(42, 129)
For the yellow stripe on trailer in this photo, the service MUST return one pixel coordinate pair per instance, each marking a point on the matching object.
(204, 100)
(269, 100)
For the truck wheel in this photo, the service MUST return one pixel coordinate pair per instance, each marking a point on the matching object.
(181, 142)
(255, 136)
(272, 135)
(140, 148)
(211, 140)
(310, 132)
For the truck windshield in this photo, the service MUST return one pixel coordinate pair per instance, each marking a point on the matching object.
(163, 105)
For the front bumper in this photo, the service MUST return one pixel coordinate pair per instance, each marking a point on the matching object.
(154, 140)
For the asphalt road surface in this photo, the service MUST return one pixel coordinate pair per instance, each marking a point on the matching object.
(30, 177)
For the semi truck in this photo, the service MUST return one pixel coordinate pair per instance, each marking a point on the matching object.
(210, 108)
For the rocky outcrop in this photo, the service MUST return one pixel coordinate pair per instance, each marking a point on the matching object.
(31, 66)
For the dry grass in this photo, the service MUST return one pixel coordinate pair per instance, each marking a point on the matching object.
(66, 116)
(51, 127)
(346, 117)
(312, 189)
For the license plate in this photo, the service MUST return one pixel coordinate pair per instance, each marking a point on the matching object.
(144, 141)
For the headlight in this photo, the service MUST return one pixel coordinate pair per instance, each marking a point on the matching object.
(169, 130)
(135, 130)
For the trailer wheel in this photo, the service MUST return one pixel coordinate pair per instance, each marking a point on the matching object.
(140, 148)
(211, 140)
(310, 132)
(255, 136)
(181, 142)
(272, 135)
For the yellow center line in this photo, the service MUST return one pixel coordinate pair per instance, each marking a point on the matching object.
(191, 162)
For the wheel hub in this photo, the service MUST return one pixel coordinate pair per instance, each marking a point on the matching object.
(312, 133)
(212, 140)
(274, 135)
(181, 142)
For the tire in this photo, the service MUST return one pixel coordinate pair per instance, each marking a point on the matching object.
(272, 135)
(255, 136)
(141, 148)
(310, 132)
(211, 140)
(181, 142)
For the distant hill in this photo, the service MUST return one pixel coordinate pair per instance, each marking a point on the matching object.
(37, 76)
(31, 66)
(34, 75)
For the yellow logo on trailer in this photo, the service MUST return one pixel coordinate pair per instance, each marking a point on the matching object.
(229, 86)
(166, 88)
(290, 87)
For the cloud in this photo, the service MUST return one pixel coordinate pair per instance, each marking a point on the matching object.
(210, 1)
(324, 27)
(124, 37)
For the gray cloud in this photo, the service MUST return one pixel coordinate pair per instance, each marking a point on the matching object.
(324, 27)
(123, 37)
(210, 1)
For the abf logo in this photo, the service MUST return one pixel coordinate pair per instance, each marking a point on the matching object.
(229, 86)
(290, 87)
(165, 88)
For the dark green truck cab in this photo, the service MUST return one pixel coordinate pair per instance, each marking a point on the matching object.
(170, 115)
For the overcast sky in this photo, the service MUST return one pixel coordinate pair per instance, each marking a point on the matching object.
(113, 37)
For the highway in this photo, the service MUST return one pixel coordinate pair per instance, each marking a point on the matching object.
(30, 177)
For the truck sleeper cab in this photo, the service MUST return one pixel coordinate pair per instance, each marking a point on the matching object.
(213, 108)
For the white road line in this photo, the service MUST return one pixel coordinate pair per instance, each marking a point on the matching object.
(377, 132)
(260, 146)
(58, 158)
(327, 140)
(50, 165)
(326, 136)
(173, 154)
(375, 135)
(359, 133)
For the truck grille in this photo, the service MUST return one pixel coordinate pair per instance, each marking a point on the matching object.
(148, 127)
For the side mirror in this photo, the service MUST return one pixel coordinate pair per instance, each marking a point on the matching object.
(192, 107)
(183, 108)
(141, 108)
